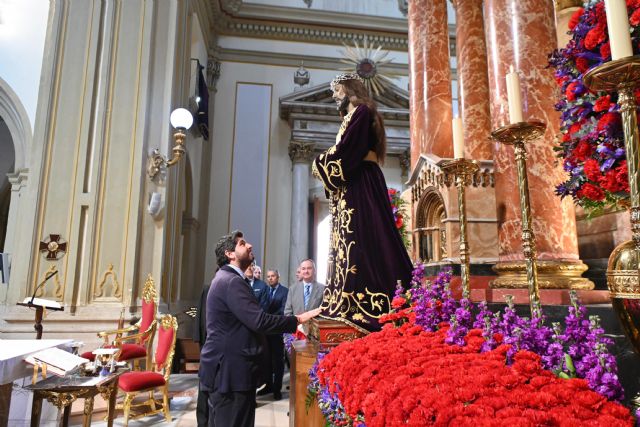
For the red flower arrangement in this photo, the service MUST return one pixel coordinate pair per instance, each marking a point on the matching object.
(399, 211)
(592, 134)
(424, 381)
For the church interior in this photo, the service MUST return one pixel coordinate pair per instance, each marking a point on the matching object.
(133, 134)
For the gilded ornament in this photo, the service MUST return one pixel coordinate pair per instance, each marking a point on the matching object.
(109, 273)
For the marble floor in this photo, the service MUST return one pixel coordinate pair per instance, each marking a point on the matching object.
(183, 391)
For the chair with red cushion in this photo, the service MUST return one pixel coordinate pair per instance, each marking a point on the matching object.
(136, 340)
(132, 383)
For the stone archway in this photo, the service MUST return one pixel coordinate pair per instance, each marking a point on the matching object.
(430, 232)
(17, 128)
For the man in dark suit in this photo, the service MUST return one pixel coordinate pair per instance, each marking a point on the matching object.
(236, 328)
(259, 287)
(277, 297)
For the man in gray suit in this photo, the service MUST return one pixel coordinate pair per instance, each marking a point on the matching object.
(306, 294)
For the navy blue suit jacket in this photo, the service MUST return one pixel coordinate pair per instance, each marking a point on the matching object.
(276, 304)
(261, 291)
(236, 326)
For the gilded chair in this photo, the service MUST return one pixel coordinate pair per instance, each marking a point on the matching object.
(157, 378)
(135, 341)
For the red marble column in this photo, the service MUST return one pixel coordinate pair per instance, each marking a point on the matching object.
(522, 33)
(430, 79)
(473, 79)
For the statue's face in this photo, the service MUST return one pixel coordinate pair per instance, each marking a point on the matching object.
(339, 93)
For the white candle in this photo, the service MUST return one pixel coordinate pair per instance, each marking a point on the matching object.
(513, 95)
(458, 138)
(618, 24)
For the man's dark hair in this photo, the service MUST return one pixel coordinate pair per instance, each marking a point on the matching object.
(227, 243)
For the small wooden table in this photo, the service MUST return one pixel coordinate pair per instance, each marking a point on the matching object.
(63, 391)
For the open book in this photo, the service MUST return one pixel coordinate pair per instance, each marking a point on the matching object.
(46, 303)
(58, 361)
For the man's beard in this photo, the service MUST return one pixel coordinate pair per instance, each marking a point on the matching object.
(343, 106)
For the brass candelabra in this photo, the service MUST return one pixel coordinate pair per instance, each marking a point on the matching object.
(518, 134)
(623, 76)
(462, 170)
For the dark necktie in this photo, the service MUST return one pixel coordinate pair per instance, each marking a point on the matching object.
(273, 293)
(307, 294)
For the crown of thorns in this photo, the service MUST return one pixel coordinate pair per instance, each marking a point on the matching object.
(344, 77)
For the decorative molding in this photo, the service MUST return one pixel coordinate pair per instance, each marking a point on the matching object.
(313, 118)
(58, 291)
(18, 179)
(301, 152)
(428, 173)
(233, 17)
(213, 71)
(117, 289)
(293, 60)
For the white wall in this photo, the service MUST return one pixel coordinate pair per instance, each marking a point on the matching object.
(23, 26)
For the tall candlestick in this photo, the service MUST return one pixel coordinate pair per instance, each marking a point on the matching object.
(513, 95)
(618, 24)
(458, 138)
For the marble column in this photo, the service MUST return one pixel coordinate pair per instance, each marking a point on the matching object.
(301, 155)
(564, 10)
(522, 34)
(472, 79)
(430, 79)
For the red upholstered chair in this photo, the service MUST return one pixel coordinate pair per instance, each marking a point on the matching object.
(157, 378)
(136, 340)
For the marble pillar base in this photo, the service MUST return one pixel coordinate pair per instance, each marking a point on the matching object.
(551, 275)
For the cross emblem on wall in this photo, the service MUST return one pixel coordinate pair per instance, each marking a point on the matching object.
(54, 247)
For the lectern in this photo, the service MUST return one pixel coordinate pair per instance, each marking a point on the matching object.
(40, 304)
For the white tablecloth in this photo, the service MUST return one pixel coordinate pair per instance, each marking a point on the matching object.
(13, 353)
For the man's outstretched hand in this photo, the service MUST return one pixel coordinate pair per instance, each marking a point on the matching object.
(306, 316)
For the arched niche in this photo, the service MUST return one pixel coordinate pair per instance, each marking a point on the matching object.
(16, 134)
(430, 233)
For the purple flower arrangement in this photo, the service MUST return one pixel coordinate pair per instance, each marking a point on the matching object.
(581, 350)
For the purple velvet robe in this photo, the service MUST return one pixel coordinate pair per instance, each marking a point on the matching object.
(367, 256)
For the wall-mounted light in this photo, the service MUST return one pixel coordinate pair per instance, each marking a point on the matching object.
(181, 120)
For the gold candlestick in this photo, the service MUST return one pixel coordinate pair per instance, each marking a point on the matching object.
(623, 76)
(462, 170)
(518, 134)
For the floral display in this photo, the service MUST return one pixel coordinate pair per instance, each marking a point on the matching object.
(457, 363)
(592, 140)
(398, 206)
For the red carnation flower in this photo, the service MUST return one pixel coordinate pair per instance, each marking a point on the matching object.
(594, 37)
(399, 222)
(635, 18)
(397, 302)
(575, 128)
(609, 181)
(607, 121)
(605, 51)
(591, 192)
(582, 64)
(571, 92)
(592, 170)
(622, 175)
(583, 151)
(602, 104)
(566, 137)
(575, 18)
